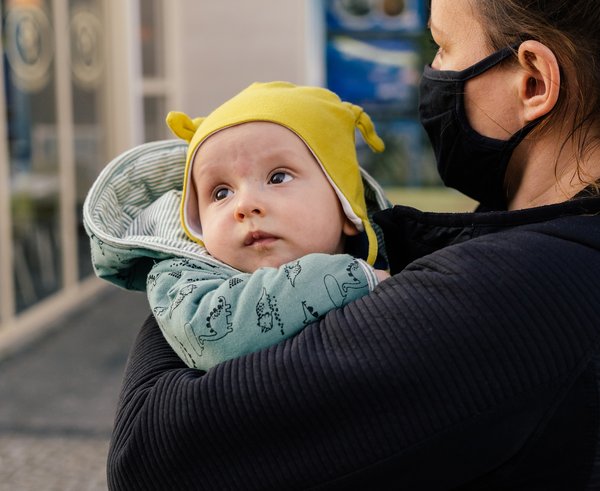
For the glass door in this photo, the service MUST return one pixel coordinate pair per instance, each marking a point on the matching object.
(31, 115)
(88, 88)
(55, 125)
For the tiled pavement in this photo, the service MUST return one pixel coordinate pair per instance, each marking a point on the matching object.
(58, 396)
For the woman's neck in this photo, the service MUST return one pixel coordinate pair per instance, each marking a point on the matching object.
(542, 172)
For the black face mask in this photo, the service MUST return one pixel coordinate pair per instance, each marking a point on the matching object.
(467, 161)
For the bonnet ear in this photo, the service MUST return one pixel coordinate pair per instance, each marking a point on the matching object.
(182, 125)
(364, 123)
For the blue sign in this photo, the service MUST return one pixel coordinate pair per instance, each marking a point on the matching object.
(380, 75)
(406, 16)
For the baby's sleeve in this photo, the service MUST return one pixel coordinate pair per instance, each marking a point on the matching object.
(210, 314)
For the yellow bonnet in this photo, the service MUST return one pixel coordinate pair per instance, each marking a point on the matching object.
(318, 116)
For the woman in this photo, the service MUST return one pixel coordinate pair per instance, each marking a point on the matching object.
(476, 366)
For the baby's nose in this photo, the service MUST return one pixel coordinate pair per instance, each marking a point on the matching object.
(248, 204)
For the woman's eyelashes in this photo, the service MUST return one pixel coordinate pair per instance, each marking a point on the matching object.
(435, 47)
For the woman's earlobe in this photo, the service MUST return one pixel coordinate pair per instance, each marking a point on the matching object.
(540, 83)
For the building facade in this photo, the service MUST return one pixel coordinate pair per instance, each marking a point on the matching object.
(87, 79)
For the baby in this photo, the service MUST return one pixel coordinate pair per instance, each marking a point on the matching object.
(273, 190)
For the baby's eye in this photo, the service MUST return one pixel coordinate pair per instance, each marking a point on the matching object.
(280, 177)
(221, 193)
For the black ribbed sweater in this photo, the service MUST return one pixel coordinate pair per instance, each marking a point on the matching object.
(473, 367)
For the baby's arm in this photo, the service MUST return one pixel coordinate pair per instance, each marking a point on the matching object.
(210, 314)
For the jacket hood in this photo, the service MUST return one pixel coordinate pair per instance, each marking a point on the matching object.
(131, 213)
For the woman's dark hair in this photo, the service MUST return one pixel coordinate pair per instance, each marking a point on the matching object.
(571, 29)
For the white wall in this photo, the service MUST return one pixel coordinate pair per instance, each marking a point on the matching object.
(124, 108)
(225, 45)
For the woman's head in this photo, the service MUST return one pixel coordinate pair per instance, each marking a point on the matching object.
(512, 98)
(571, 30)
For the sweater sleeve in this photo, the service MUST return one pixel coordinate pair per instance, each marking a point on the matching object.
(443, 373)
(209, 315)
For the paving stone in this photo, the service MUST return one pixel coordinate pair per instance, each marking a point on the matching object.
(59, 396)
(52, 463)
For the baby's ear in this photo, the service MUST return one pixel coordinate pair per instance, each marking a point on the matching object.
(182, 125)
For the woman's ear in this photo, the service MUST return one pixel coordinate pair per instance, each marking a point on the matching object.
(540, 83)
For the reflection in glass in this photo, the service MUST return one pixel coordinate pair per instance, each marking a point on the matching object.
(87, 77)
(33, 150)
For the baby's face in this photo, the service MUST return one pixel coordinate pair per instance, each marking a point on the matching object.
(263, 199)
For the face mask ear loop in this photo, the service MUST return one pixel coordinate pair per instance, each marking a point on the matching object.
(472, 71)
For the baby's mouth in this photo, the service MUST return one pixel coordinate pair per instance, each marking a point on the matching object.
(259, 238)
